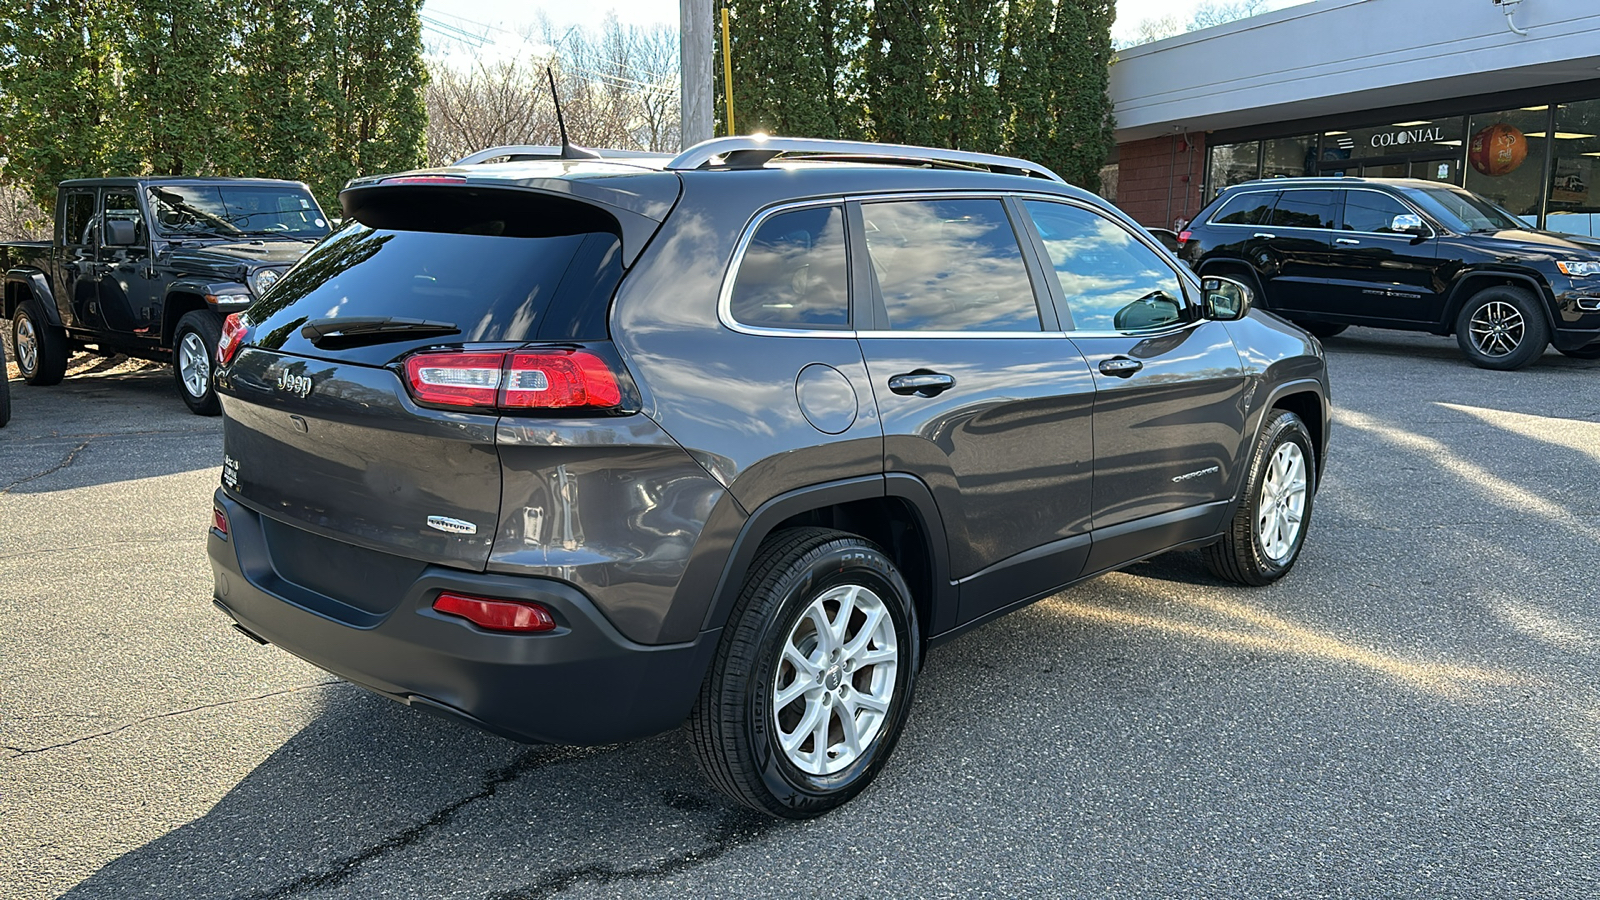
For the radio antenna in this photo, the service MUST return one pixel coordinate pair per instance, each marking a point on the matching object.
(568, 151)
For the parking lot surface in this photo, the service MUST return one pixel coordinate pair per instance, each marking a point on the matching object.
(1413, 712)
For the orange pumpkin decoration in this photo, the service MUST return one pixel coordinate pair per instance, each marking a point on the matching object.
(1497, 150)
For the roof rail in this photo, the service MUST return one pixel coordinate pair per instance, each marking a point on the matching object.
(753, 152)
(533, 151)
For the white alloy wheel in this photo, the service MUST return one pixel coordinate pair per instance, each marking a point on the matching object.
(1497, 328)
(194, 365)
(832, 689)
(1283, 502)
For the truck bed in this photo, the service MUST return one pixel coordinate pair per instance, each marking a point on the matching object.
(23, 253)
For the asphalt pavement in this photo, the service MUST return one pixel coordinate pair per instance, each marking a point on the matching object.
(1413, 712)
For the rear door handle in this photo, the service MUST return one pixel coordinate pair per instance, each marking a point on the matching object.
(1120, 366)
(1263, 234)
(1347, 241)
(921, 383)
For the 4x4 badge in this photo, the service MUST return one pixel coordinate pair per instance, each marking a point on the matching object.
(452, 526)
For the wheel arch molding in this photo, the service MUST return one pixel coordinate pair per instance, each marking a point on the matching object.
(894, 511)
(23, 283)
(1472, 281)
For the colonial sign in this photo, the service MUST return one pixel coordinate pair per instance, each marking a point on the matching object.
(1426, 135)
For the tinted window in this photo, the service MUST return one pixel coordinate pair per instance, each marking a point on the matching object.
(1304, 209)
(78, 217)
(1372, 211)
(793, 274)
(1111, 281)
(236, 209)
(124, 205)
(490, 288)
(1462, 210)
(1251, 208)
(949, 265)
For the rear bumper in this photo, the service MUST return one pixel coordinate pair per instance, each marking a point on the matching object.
(583, 683)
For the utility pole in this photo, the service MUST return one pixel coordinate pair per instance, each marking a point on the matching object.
(694, 48)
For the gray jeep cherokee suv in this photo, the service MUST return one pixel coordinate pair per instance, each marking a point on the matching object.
(576, 450)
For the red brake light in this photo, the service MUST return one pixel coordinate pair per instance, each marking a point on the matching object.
(233, 333)
(543, 379)
(1183, 237)
(456, 379)
(561, 379)
(497, 615)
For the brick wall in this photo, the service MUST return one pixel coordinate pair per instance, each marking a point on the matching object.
(1159, 179)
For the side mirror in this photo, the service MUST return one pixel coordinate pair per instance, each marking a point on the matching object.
(1409, 224)
(121, 233)
(1225, 300)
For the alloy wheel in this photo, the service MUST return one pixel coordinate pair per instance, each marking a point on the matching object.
(1283, 502)
(194, 364)
(27, 340)
(832, 690)
(1497, 328)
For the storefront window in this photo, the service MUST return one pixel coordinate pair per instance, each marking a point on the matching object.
(1233, 164)
(1289, 157)
(1575, 170)
(1505, 159)
(1410, 138)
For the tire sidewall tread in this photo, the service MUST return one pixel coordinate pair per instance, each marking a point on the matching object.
(1535, 335)
(1238, 556)
(203, 323)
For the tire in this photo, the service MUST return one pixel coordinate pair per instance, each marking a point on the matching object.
(1502, 328)
(1590, 352)
(1323, 329)
(1280, 485)
(5, 388)
(752, 748)
(41, 348)
(194, 361)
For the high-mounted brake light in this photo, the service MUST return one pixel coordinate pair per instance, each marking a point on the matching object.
(425, 179)
(522, 379)
(1183, 237)
(233, 334)
(497, 615)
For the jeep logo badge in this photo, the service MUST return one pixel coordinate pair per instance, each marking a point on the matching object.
(299, 385)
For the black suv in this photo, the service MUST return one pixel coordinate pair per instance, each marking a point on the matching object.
(577, 449)
(1329, 253)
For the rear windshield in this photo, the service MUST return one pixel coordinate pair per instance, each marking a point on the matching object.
(489, 287)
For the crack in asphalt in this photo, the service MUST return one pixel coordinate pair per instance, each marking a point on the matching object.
(529, 761)
(71, 455)
(735, 829)
(25, 751)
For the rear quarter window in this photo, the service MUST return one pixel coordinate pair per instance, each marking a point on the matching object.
(1251, 208)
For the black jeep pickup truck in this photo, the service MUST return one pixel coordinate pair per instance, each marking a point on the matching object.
(149, 267)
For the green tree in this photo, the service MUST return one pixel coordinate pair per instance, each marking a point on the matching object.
(899, 68)
(1084, 127)
(796, 67)
(58, 93)
(277, 75)
(1026, 82)
(971, 114)
(181, 102)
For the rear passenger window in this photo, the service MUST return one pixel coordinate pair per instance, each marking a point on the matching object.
(949, 265)
(793, 274)
(79, 216)
(1246, 209)
(1304, 209)
(1372, 212)
(1110, 281)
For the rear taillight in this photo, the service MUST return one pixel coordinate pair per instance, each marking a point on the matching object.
(522, 379)
(233, 334)
(1183, 238)
(456, 379)
(497, 615)
(219, 523)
